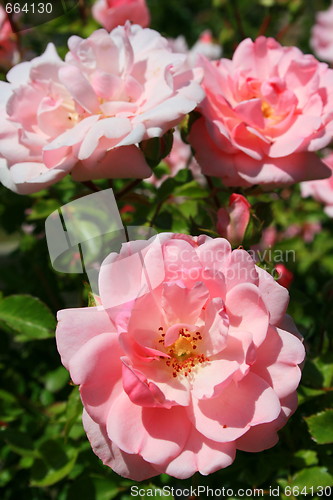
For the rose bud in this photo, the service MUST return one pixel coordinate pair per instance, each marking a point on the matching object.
(285, 277)
(233, 220)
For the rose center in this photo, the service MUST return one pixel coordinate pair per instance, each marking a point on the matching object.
(183, 356)
(182, 348)
(266, 109)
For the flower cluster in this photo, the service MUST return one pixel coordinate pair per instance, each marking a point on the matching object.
(188, 354)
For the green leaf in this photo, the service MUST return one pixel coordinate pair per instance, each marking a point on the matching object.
(191, 190)
(325, 366)
(43, 208)
(312, 477)
(307, 393)
(5, 476)
(53, 454)
(28, 317)
(321, 426)
(105, 489)
(53, 465)
(9, 406)
(57, 379)
(19, 442)
(305, 458)
(161, 170)
(81, 489)
(157, 148)
(73, 410)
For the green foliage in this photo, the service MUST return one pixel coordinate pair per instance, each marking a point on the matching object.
(27, 317)
(321, 426)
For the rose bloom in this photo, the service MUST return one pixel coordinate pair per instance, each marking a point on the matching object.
(322, 35)
(188, 356)
(86, 115)
(205, 46)
(112, 13)
(9, 54)
(265, 113)
(322, 190)
(306, 230)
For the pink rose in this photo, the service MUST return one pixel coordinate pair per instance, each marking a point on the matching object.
(9, 54)
(188, 357)
(266, 111)
(112, 13)
(285, 277)
(233, 220)
(307, 230)
(322, 35)
(322, 190)
(205, 46)
(86, 115)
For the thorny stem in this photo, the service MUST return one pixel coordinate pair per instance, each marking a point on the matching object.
(235, 8)
(83, 11)
(127, 188)
(264, 25)
(90, 185)
(282, 32)
(157, 211)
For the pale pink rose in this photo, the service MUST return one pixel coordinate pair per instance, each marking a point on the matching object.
(188, 357)
(309, 230)
(179, 157)
(86, 115)
(205, 46)
(269, 237)
(265, 114)
(322, 190)
(306, 230)
(262, 250)
(285, 276)
(322, 35)
(112, 13)
(233, 220)
(9, 54)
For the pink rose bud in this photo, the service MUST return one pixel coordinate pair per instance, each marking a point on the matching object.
(233, 221)
(112, 13)
(285, 276)
(9, 54)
